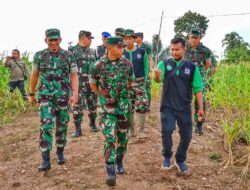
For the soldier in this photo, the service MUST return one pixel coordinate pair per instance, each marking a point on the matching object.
(101, 50)
(56, 70)
(111, 78)
(119, 32)
(180, 79)
(148, 49)
(19, 72)
(200, 55)
(84, 56)
(139, 98)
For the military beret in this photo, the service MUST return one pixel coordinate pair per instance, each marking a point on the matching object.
(129, 32)
(115, 40)
(52, 33)
(85, 33)
(195, 32)
(106, 34)
(119, 31)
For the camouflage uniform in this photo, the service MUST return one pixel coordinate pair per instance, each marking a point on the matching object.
(112, 79)
(54, 93)
(86, 97)
(199, 56)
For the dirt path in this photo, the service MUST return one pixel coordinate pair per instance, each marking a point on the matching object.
(85, 169)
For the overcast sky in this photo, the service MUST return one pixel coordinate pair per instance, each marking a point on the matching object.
(23, 23)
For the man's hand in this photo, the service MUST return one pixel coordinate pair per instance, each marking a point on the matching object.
(157, 74)
(149, 75)
(32, 100)
(73, 100)
(201, 115)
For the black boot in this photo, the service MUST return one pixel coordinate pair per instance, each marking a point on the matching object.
(111, 179)
(92, 125)
(78, 131)
(60, 156)
(45, 165)
(120, 168)
(198, 128)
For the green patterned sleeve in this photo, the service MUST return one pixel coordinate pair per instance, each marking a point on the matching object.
(73, 66)
(94, 74)
(35, 63)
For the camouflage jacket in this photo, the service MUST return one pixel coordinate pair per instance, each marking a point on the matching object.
(198, 55)
(84, 58)
(112, 79)
(147, 47)
(54, 72)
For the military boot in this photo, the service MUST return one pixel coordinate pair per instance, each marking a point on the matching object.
(111, 178)
(92, 125)
(141, 123)
(60, 155)
(120, 168)
(78, 131)
(45, 165)
(132, 126)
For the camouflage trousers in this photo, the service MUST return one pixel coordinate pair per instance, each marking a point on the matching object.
(148, 89)
(87, 99)
(196, 106)
(53, 110)
(139, 96)
(115, 129)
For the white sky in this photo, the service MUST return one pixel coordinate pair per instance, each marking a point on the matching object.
(23, 23)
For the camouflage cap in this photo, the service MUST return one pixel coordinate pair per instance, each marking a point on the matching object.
(115, 40)
(195, 31)
(52, 33)
(139, 34)
(129, 32)
(119, 31)
(85, 33)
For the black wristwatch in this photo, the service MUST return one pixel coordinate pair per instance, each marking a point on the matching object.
(32, 94)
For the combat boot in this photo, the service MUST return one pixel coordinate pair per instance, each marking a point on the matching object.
(78, 131)
(45, 165)
(141, 123)
(92, 125)
(60, 155)
(120, 168)
(132, 126)
(111, 178)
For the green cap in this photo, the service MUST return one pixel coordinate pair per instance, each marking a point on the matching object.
(195, 31)
(53, 33)
(129, 32)
(119, 31)
(85, 33)
(115, 40)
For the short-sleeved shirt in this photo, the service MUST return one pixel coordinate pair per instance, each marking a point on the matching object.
(112, 77)
(198, 55)
(54, 72)
(84, 56)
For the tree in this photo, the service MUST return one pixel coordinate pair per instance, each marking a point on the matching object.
(162, 53)
(233, 41)
(184, 24)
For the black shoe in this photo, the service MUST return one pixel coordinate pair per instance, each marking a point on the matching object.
(45, 165)
(78, 131)
(60, 155)
(92, 126)
(199, 129)
(111, 178)
(119, 163)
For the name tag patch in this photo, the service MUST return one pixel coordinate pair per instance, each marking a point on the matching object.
(138, 56)
(169, 67)
(187, 71)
